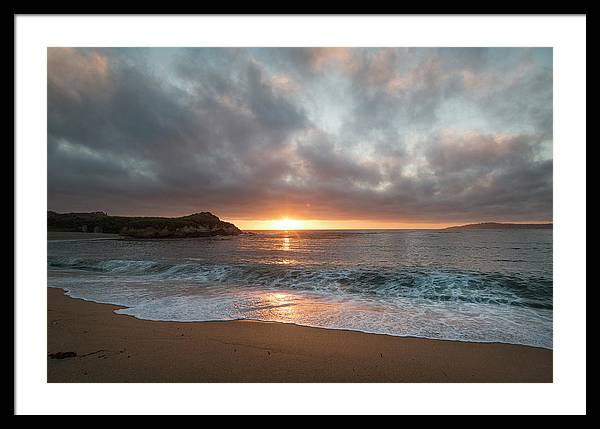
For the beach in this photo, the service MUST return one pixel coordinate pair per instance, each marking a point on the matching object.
(119, 348)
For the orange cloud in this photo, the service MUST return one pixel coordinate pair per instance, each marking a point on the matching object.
(340, 57)
(71, 70)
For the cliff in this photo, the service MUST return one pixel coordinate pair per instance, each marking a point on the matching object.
(497, 225)
(203, 224)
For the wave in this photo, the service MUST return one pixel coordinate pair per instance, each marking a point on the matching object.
(375, 282)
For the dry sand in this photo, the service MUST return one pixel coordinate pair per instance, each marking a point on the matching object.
(119, 348)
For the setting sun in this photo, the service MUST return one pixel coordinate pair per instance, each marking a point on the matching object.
(286, 224)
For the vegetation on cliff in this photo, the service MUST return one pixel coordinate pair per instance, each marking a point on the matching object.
(203, 224)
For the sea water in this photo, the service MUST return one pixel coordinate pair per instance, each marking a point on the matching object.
(468, 285)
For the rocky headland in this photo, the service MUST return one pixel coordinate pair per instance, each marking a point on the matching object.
(498, 225)
(203, 224)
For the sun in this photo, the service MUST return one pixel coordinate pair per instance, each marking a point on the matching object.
(286, 224)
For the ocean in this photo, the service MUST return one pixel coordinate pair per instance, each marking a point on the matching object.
(467, 285)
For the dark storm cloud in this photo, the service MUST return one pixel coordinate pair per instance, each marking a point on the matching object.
(386, 134)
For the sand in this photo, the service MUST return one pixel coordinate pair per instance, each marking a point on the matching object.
(120, 348)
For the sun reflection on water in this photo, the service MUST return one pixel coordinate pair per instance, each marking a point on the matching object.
(285, 262)
(289, 307)
(277, 306)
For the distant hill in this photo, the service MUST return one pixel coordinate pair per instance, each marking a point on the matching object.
(498, 225)
(195, 225)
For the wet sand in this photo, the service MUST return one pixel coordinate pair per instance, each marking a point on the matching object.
(117, 348)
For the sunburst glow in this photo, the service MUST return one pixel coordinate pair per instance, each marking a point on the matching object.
(287, 224)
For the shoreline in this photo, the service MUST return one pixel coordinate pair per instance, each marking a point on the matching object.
(80, 236)
(123, 307)
(113, 347)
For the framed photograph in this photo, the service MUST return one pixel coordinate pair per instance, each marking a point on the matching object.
(233, 203)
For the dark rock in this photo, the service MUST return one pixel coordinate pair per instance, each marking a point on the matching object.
(202, 224)
(62, 355)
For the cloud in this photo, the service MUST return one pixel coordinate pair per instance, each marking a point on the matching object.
(334, 133)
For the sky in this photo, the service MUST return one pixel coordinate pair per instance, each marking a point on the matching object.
(303, 137)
